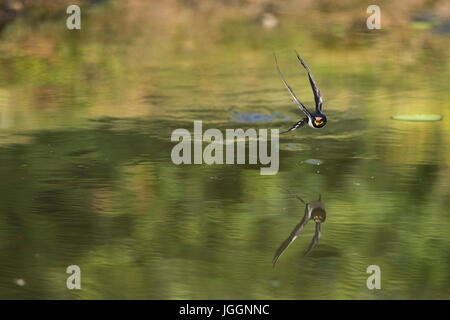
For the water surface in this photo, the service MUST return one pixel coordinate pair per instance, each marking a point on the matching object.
(86, 176)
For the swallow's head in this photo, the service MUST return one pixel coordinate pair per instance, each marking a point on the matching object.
(318, 211)
(318, 219)
(319, 120)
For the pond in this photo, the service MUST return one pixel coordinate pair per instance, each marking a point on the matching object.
(86, 176)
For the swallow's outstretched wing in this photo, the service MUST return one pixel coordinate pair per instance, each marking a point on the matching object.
(296, 125)
(316, 91)
(315, 239)
(294, 234)
(297, 102)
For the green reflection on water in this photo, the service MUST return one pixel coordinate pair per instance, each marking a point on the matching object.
(86, 176)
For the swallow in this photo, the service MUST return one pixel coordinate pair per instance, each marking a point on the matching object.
(315, 120)
(314, 210)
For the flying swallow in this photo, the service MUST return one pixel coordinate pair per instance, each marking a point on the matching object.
(314, 210)
(315, 120)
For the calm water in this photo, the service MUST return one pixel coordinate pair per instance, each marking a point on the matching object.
(86, 176)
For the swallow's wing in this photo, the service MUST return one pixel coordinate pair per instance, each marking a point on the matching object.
(294, 234)
(316, 91)
(294, 195)
(301, 106)
(296, 125)
(315, 239)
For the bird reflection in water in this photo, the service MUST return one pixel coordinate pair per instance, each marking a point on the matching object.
(314, 210)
